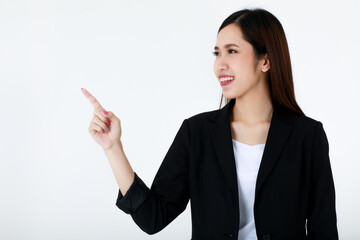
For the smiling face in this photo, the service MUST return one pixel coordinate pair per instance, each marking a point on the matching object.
(235, 57)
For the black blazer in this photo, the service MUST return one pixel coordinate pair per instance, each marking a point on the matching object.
(294, 183)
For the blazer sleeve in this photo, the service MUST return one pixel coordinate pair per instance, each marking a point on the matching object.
(153, 209)
(321, 217)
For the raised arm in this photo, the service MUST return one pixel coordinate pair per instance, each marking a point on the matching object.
(153, 209)
(105, 129)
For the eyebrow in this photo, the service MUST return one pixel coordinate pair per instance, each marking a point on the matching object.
(227, 46)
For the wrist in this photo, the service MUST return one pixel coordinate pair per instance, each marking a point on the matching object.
(115, 147)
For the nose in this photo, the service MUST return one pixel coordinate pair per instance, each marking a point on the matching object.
(220, 64)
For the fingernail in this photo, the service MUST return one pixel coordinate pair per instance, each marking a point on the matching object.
(107, 129)
(107, 123)
(105, 112)
(103, 131)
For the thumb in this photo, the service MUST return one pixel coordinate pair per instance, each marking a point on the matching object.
(110, 115)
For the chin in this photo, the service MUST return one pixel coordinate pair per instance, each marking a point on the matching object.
(234, 93)
(229, 95)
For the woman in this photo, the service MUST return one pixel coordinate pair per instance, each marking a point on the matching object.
(257, 168)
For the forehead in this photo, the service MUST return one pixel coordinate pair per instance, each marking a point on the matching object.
(231, 34)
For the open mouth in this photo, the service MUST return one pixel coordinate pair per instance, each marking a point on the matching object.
(226, 81)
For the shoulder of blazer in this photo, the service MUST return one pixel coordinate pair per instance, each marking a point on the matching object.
(283, 118)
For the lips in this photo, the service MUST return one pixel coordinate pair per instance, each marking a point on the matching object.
(224, 83)
(226, 79)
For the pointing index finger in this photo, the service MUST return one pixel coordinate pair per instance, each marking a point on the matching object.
(91, 98)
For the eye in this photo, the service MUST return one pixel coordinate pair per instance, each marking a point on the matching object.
(217, 53)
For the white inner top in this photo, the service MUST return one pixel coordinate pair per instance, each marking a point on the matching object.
(247, 160)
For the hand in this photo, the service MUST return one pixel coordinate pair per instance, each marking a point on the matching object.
(104, 127)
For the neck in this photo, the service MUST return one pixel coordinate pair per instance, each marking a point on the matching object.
(253, 108)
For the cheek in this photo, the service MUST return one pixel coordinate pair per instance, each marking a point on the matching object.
(244, 71)
(244, 64)
(242, 58)
(241, 66)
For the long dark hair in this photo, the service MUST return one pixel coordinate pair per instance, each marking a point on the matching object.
(265, 33)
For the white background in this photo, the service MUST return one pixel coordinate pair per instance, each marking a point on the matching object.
(150, 63)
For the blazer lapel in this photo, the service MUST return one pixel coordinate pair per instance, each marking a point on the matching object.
(280, 127)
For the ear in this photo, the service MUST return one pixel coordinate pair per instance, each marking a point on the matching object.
(266, 64)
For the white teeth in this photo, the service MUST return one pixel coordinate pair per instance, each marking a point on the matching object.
(226, 79)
